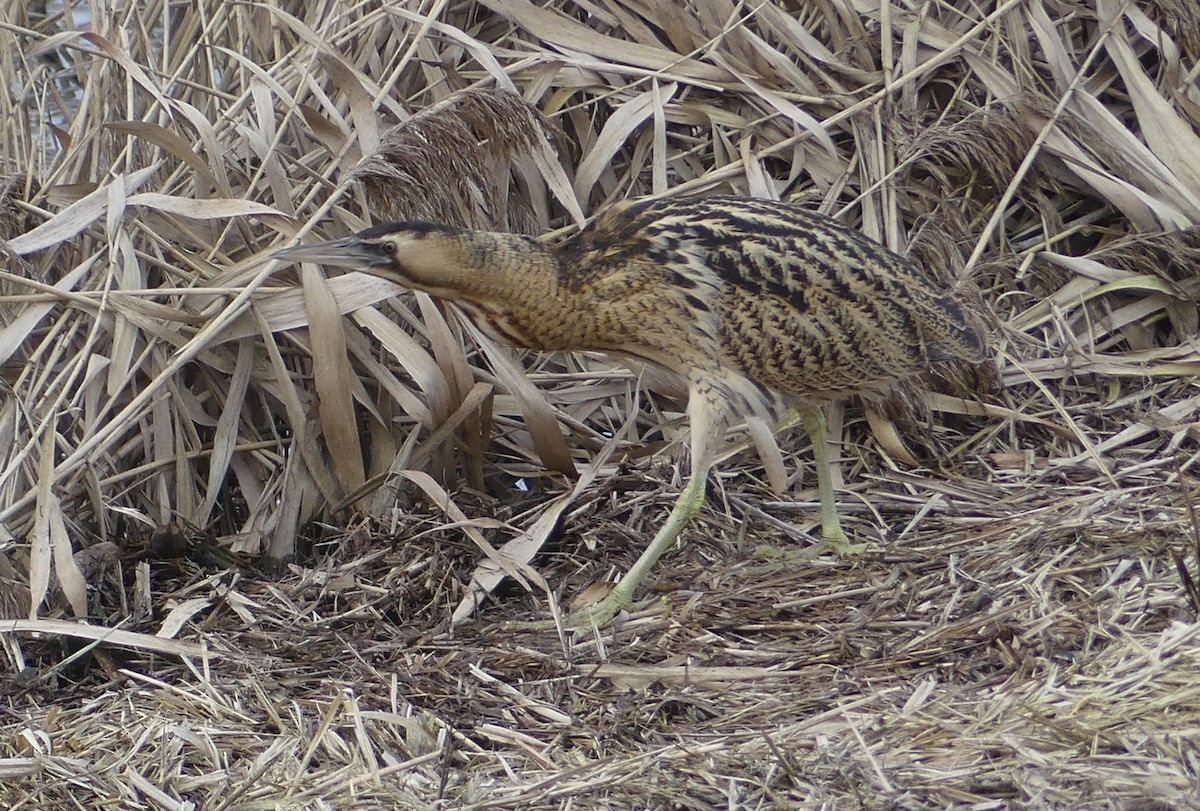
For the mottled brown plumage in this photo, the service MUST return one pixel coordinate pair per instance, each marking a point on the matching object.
(753, 303)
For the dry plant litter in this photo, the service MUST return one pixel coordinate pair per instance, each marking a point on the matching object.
(176, 416)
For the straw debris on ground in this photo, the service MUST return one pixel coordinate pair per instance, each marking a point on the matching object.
(263, 532)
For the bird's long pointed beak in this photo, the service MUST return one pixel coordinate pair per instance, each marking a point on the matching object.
(348, 252)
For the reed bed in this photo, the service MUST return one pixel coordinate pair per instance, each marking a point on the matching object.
(263, 531)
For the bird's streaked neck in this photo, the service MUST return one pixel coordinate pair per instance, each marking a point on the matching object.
(507, 283)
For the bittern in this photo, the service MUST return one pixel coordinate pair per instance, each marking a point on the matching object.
(754, 304)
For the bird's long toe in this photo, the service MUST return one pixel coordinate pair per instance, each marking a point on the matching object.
(840, 546)
(596, 616)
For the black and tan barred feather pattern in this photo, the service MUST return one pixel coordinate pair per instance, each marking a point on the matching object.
(802, 305)
(761, 300)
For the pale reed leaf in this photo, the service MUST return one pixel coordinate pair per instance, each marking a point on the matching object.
(41, 545)
(802, 119)
(18, 330)
(125, 335)
(556, 27)
(539, 415)
(226, 437)
(616, 131)
(354, 84)
(79, 215)
(1172, 139)
(180, 616)
(285, 310)
(211, 142)
(131, 67)
(1057, 56)
(109, 636)
(175, 145)
(210, 209)
(521, 549)
(70, 578)
(331, 375)
(762, 433)
(419, 364)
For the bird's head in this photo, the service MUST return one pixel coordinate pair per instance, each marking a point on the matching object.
(416, 255)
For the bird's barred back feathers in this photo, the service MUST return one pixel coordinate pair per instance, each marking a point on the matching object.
(801, 304)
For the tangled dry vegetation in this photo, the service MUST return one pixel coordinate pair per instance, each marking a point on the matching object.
(174, 406)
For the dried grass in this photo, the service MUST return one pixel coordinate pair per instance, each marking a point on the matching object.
(1025, 633)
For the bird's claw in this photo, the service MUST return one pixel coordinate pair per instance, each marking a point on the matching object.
(834, 540)
(838, 546)
(598, 615)
(841, 547)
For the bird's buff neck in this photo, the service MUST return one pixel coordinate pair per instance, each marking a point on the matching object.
(510, 285)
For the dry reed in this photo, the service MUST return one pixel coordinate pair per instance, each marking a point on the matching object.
(1025, 633)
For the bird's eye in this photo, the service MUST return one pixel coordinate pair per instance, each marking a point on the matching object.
(388, 248)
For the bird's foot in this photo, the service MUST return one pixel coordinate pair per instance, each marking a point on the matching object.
(836, 544)
(595, 616)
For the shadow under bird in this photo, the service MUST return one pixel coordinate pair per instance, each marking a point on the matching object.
(753, 303)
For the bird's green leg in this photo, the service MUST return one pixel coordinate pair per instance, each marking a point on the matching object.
(833, 536)
(706, 430)
(621, 597)
(818, 433)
